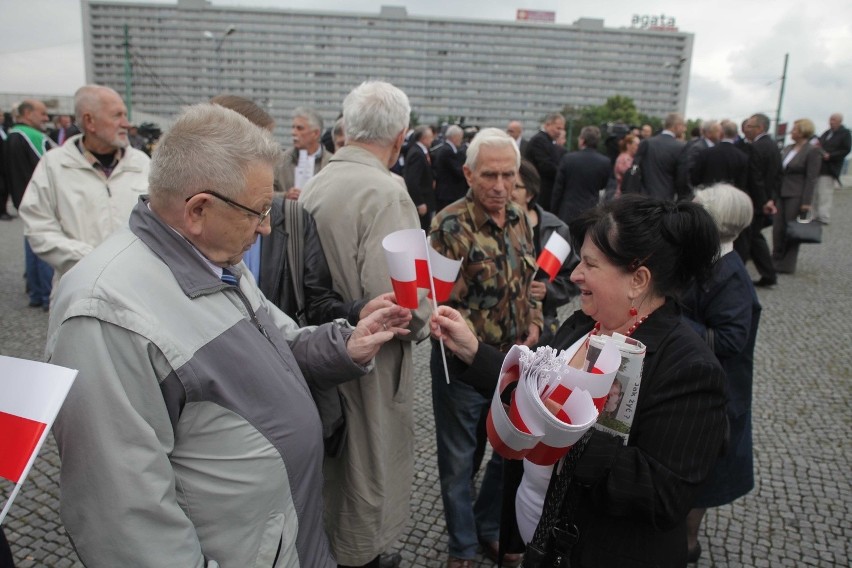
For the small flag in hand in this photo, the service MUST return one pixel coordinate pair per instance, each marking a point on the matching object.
(553, 255)
(406, 253)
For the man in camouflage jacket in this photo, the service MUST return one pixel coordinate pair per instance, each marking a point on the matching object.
(494, 240)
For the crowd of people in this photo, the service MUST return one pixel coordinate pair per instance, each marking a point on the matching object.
(245, 394)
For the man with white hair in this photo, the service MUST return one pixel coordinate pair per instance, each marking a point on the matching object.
(83, 191)
(836, 142)
(494, 240)
(306, 132)
(189, 437)
(356, 202)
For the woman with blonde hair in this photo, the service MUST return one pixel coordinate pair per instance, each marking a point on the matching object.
(801, 162)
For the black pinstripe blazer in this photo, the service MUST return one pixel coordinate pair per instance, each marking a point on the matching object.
(632, 500)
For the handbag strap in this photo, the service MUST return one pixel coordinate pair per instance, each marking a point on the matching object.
(556, 533)
(295, 224)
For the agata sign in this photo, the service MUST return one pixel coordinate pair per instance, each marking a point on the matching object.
(661, 22)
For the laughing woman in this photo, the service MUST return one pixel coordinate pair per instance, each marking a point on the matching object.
(629, 502)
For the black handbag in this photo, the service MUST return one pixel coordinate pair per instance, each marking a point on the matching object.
(556, 533)
(803, 231)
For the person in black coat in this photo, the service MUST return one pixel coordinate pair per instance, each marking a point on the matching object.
(580, 177)
(725, 312)
(763, 186)
(662, 162)
(418, 175)
(447, 162)
(836, 143)
(724, 162)
(630, 502)
(542, 151)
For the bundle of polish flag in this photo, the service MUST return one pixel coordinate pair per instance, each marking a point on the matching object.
(553, 404)
(413, 264)
(31, 395)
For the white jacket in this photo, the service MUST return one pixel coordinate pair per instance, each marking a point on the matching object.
(68, 208)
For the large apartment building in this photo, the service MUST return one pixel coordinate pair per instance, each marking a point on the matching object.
(485, 71)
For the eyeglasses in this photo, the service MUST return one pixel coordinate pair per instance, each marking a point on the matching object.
(261, 215)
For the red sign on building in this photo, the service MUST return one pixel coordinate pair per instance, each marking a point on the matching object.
(535, 16)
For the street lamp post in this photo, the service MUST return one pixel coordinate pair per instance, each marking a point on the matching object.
(218, 50)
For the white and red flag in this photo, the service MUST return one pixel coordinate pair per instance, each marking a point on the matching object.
(555, 251)
(410, 259)
(31, 394)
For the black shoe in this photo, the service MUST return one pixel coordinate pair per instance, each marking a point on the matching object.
(765, 282)
(693, 554)
(36, 304)
(390, 560)
(6, 217)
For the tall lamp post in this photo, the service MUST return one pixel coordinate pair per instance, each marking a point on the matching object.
(218, 50)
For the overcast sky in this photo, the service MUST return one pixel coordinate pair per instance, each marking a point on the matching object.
(737, 60)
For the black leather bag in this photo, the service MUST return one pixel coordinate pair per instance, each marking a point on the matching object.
(806, 232)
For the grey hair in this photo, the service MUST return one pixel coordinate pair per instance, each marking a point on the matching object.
(708, 125)
(375, 112)
(309, 114)
(209, 147)
(88, 98)
(730, 208)
(671, 119)
(552, 117)
(762, 121)
(730, 129)
(491, 138)
(453, 130)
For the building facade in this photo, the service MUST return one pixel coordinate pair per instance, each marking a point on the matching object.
(485, 71)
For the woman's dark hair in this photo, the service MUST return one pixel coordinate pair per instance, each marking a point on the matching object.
(677, 242)
(531, 180)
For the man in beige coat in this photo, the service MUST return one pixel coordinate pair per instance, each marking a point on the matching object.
(356, 203)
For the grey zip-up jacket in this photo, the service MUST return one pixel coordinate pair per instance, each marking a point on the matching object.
(190, 437)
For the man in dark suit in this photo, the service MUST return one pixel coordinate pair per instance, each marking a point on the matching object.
(516, 130)
(447, 162)
(542, 152)
(417, 173)
(836, 142)
(580, 177)
(659, 159)
(711, 133)
(64, 130)
(764, 182)
(724, 162)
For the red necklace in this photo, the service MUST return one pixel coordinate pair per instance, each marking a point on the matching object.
(596, 330)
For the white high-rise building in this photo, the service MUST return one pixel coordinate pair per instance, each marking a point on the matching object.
(485, 71)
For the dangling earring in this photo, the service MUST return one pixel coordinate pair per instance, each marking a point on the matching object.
(633, 311)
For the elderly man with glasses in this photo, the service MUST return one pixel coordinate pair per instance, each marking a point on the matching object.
(190, 437)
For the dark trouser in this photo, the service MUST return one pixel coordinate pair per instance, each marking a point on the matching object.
(6, 560)
(39, 277)
(752, 245)
(785, 254)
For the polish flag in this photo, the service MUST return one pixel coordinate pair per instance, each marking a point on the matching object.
(554, 254)
(31, 394)
(409, 258)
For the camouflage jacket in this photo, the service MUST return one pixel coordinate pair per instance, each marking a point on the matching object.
(493, 290)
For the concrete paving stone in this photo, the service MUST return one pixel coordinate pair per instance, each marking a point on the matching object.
(798, 514)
